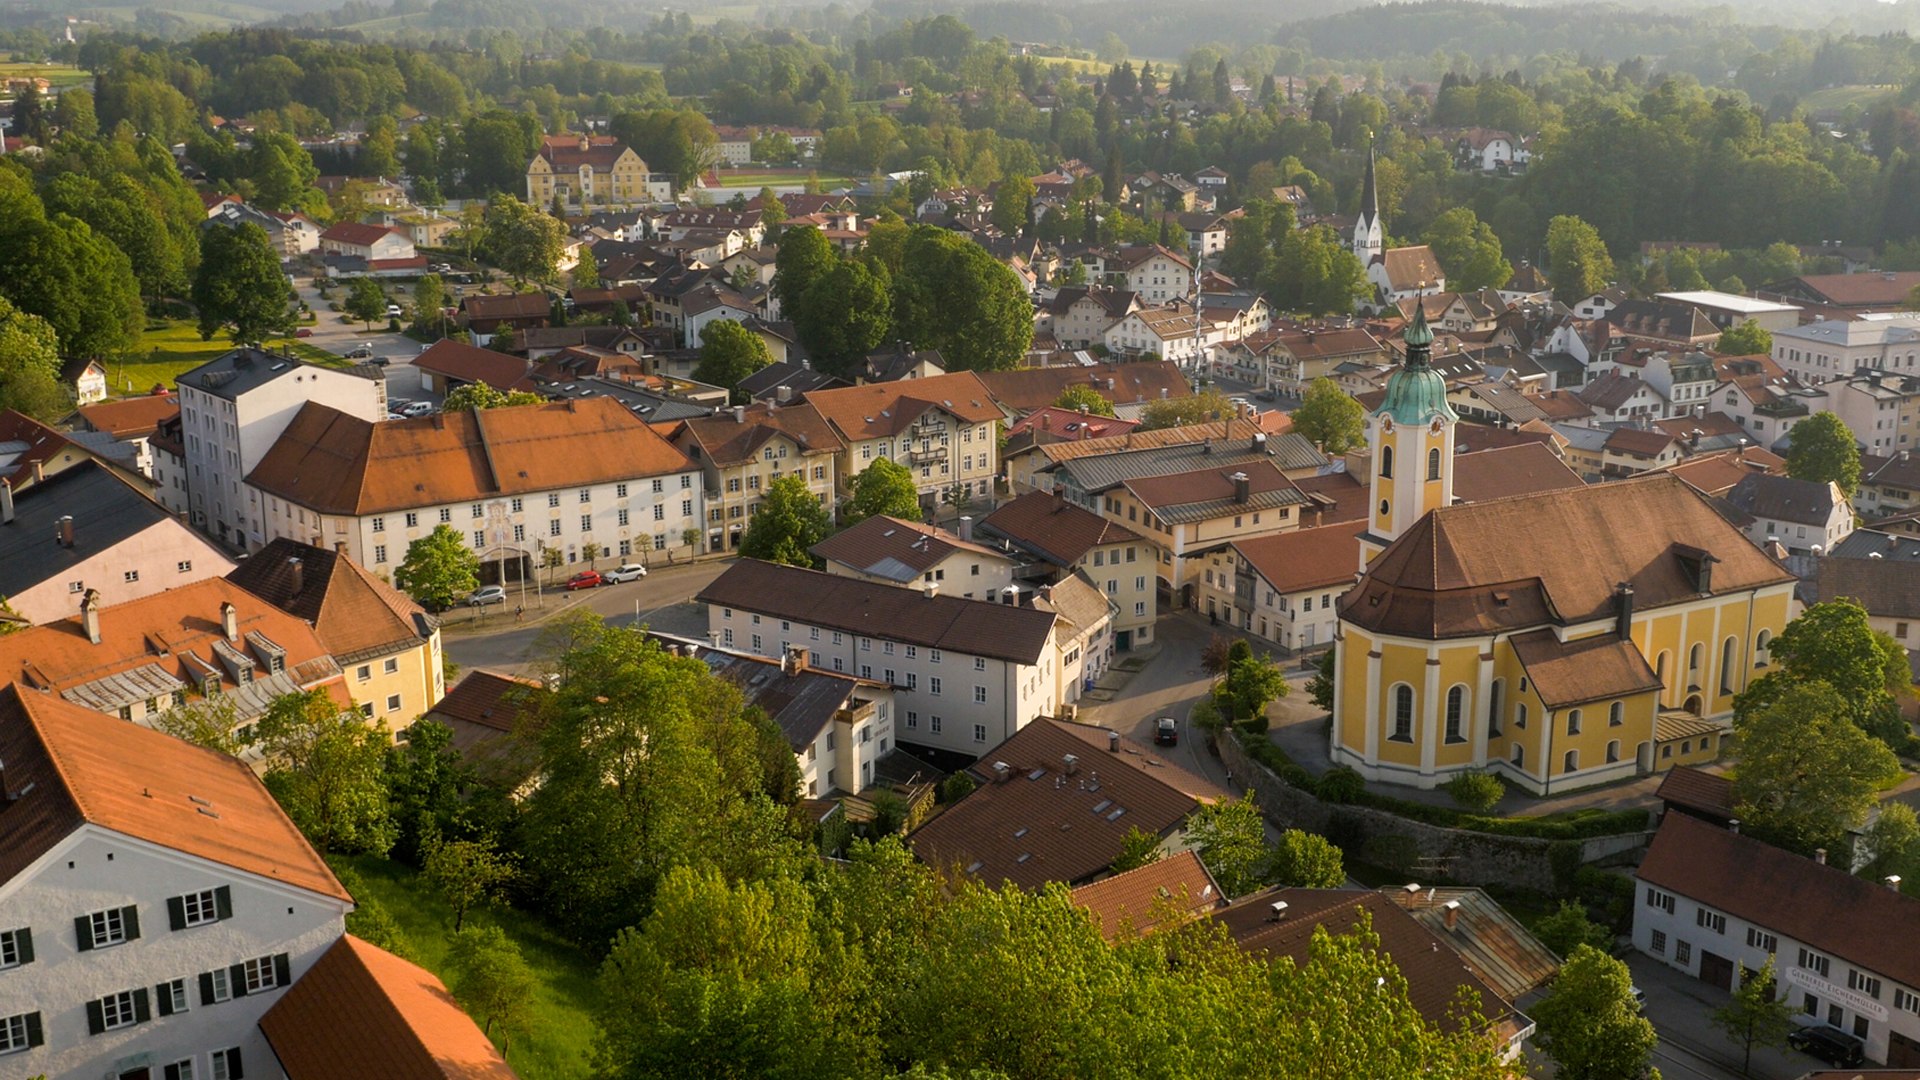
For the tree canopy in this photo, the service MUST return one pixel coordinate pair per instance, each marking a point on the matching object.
(1332, 418)
(1589, 1023)
(439, 569)
(789, 522)
(1823, 448)
(883, 487)
(1468, 251)
(1807, 773)
(325, 769)
(950, 295)
(1833, 644)
(729, 352)
(1084, 399)
(522, 241)
(1577, 259)
(1747, 339)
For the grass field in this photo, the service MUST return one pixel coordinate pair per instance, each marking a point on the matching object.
(559, 1040)
(759, 178)
(57, 74)
(172, 349)
(1839, 97)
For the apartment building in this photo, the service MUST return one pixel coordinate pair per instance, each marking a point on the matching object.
(1284, 587)
(839, 726)
(943, 429)
(1063, 540)
(893, 551)
(1831, 349)
(741, 451)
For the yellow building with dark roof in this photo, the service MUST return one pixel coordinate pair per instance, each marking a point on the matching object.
(1560, 639)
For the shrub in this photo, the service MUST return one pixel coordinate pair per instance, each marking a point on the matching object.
(956, 787)
(889, 814)
(1206, 717)
(1477, 791)
(1256, 725)
(1341, 784)
(1569, 928)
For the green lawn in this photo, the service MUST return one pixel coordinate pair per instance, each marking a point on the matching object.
(57, 74)
(759, 178)
(559, 1041)
(1839, 97)
(172, 349)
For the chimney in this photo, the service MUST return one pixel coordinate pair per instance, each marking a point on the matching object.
(966, 527)
(1163, 393)
(739, 414)
(1820, 855)
(90, 614)
(1113, 742)
(1002, 772)
(1071, 763)
(1277, 911)
(1207, 447)
(783, 394)
(1452, 916)
(6, 501)
(297, 572)
(932, 589)
(63, 531)
(39, 471)
(1623, 610)
(795, 661)
(1733, 825)
(1893, 882)
(229, 621)
(1242, 487)
(1259, 442)
(586, 142)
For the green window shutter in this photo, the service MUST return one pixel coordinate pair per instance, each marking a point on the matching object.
(23, 940)
(142, 1006)
(282, 975)
(96, 1018)
(234, 1072)
(176, 913)
(36, 1036)
(163, 999)
(130, 918)
(223, 902)
(237, 980)
(206, 988)
(83, 932)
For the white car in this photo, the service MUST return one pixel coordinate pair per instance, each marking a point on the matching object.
(627, 572)
(393, 311)
(414, 409)
(487, 594)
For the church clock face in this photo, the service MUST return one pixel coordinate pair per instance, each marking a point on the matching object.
(1386, 425)
(1436, 426)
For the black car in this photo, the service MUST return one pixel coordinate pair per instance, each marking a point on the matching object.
(1829, 1044)
(1165, 731)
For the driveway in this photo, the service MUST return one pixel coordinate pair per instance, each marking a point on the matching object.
(1681, 1008)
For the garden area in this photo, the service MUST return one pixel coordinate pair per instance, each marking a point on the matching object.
(173, 348)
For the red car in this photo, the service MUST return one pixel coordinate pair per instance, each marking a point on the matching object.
(303, 332)
(585, 579)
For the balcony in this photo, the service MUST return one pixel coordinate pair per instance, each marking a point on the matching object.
(927, 457)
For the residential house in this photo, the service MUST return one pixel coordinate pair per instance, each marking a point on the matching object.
(1663, 323)
(1714, 904)
(1760, 395)
(132, 421)
(587, 170)
(86, 529)
(1080, 315)
(965, 673)
(1055, 803)
(485, 316)
(233, 409)
(85, 378)
(158, 901)
(1528, 285)
(893, 551)
(1129, 387)
(1686, 381)
(1822, 352)
(1171, 333)
(447, 365)
(1888, 588)
(1881, 409)
(1845, 293)
(784, 382)
(1068, 540)
(494, 721)
(1803, 515)
(1619, 397)
(1631, 451)
(1053, 424)
(742, 450)
(584, 476)
(943, 429)
(1153, 273)
(838, 726)
(1889, 484)
(734, 144)
(373, 243)
(387, 646)
(1288, 360)
(1133, 901)
(1487, 150)
(1283, 586)
(899, 363)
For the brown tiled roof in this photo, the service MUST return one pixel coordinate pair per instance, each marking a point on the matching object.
(463, 362)
(1822, 906)
(1889, 588)
(67, 765)
(362, 1011)
(726, 441)
(491, 700)
(357, 615)
(1527, 468)
(1784, 498)
(1306, 558)
(1434, 972)
(1646, 444)
(1610, 391)
(872, 546)
(1471, 438)
(353, 232)
(1410, 267)
(1032, 829)
(883, 410)
(1207, 493)
(1576, 672)
(131, 418)
(1887, 290)
(44, 444)
(1461, 570)
(333, 463)
(1716, 474)
(565, 153)
(1024, 390)
(1697, 790)
(1133, 900)
(1054, 424)
(1563, 405)
(1340, 497)
(1055, 529)
(507, 306)
(1184, 435)
(1329, 343)
(974, 627)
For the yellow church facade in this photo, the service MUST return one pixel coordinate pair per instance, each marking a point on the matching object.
(1560, 640)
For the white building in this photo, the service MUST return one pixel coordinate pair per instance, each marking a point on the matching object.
(1835, 348)
(894, 551)
(966, 673)
(1727, 310)
(232, 410)
(1714, 904)
(1171, 333)
(156, 901)
(1155, 273)
(514, 482)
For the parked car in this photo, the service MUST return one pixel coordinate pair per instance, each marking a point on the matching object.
(487, 594)
(378, 361)
(305, 331)
(1829, 1044)
(393, 311)
(625, 572)
(363, 352)
(1166, 732)
(585, 579)
(1268, 395)
(416, 408)
(1639, 997)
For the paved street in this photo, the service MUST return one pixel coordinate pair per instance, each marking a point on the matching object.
(491, 638)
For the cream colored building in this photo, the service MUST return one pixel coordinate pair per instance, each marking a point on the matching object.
(742, 450)
(587, 170)
(943, 429)
(1070, 540)
(907, 553)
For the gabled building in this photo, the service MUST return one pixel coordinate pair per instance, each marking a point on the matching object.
(587, 170)
(1128, 387)
(447, 365)
(372, 243)
(911, 554)
(1151, 272)
(1043, 527)
(132, 421)
(838, 726)
(742, 450)
(1169, 333)
(1132, 901)
(156, 900)
(1080, 315)
(942, 428)
(1804, 516)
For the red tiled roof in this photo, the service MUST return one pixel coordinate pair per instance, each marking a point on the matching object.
(465, 363)
(358, 234)
(131, 418)
(1306, 558)
(1133, 900)
(1042, 521)
(882, 410)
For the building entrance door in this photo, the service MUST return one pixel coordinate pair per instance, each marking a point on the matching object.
(1717, 970)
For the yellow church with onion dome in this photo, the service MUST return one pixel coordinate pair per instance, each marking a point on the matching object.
(1560, 640)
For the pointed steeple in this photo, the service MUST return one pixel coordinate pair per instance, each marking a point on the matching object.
(1419, 338)
(1370, 191)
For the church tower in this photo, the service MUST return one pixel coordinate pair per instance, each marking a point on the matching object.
(1369, 234)
(1411, 436)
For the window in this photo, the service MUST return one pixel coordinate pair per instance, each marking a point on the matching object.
(110, 927)
(1520, 716)
(886, 648)
(980, 695)
(226, 1064)
(199, 908)
(260, 973)
(179, 1070)
(1456, 708)
(1906, 1000)
(979, 663)
(586, 495)
(933, 685)
(1402, 713)
(1616, 714)
(659, 512)
(1760, 939)
(1762, 648)
(1494, 693)
(1573, 721)
(1682, 952)
(1571, 762)
(170, 997)
(363, 672)
(121, 1010)
(16, 947)
(1814, 962)
(1433, 464)
(621, 516)
(1613, 751)
(516, 505)
(1661, 900)
(479, 539)
(553, 527)
(933, 724)
(1710, 919)
(1386, 462)
(379, 524)
(184, 566)
(412, 519)
(1658, 943)
(393, 702)
(1863, 982)
(22, 1032)
(979, 733)
(446, 512)
(913, 719)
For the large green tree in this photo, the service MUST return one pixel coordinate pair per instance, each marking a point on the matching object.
(1013, 205)
(1577, 259)
(1822, 449)
(1332, 418)
(803, 258)
(950, 295)
(466, 873)
(1468, 251)
(522, 241)
(57, 267)
(439, 569)
(1207, 406)
(844, 315)
(324, 767)
(1304, 860)
(787, 525)
(1230, 836)
(883, 487)
(121, 210)
(1807, 773)
(1589, 1023)
(729, 352)
(365, 301)
(240, 287)
(30, 365)
(1832, 643)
